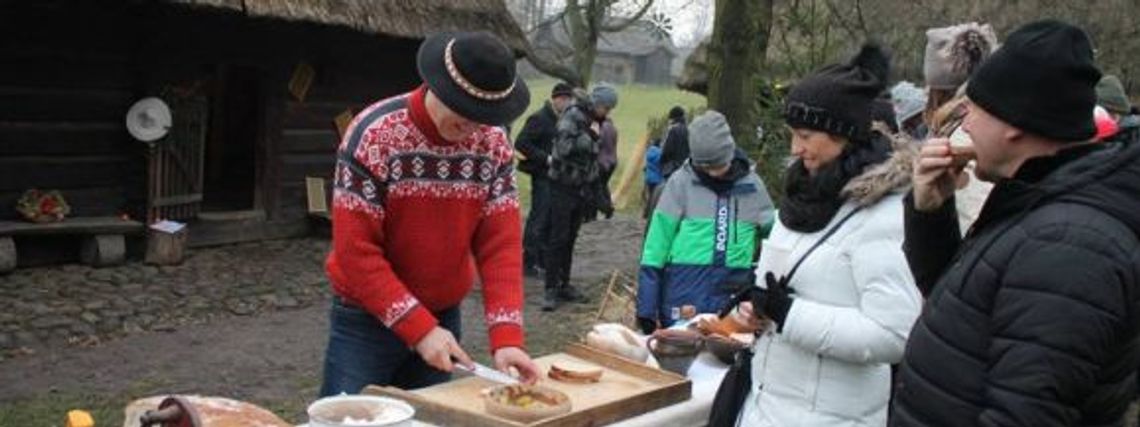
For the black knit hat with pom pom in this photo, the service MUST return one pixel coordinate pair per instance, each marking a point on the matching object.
(837, 98)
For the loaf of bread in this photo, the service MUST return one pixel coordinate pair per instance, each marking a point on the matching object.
(212, 411)
(619, 340)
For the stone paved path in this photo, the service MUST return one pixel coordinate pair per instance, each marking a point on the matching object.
(80, 305)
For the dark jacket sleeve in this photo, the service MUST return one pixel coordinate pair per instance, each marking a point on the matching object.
(528, 141)
(1055, 326)
(932, 239)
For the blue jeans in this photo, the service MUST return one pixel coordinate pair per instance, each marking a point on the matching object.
(362, 351)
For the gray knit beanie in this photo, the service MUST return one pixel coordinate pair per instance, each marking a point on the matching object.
(710, 140)
(604, 96)
(1110, 95)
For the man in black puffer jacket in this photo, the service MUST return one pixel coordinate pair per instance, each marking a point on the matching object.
(1032, 319)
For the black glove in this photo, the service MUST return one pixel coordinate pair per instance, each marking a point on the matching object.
(774, 302)
(647, 325)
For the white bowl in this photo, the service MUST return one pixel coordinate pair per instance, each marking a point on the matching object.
(375, 411)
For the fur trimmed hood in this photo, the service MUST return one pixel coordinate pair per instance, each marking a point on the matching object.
(891, 176)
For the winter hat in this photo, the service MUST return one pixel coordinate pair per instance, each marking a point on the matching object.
(953, 52)
(1041, 81)
(562, 89)
(604, 96)
(1110, 95)
(710, 140)
(676, 113)
(837, 98)
(474, 75)
(909, 100)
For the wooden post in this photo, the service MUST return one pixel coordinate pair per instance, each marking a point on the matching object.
(621, 199)
(164, 248)
(7, 254)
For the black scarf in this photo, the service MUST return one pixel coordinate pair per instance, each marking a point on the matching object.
(737, 169)
(811, 201)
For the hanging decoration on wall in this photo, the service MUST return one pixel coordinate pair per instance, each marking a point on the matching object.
(342, 121)
(149, 119)
(301, 80)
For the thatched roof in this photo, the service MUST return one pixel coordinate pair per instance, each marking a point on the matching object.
(403, 18)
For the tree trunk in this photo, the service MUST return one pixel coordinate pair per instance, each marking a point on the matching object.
(735, 59)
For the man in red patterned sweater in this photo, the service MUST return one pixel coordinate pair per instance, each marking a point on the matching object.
(424, 200)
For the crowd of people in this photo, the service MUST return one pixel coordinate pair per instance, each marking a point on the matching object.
(965, 256)
(964, 252)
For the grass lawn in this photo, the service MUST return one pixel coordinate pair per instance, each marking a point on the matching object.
(636, 105)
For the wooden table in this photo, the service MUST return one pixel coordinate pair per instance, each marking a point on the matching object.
(705, 374)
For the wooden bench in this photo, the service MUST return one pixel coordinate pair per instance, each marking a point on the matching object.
(104, 243)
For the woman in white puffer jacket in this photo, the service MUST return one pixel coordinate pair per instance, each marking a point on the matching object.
(844, 316)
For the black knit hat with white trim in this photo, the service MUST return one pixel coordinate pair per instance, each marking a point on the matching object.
(837, 98)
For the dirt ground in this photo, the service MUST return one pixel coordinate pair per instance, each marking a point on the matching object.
(271, 358)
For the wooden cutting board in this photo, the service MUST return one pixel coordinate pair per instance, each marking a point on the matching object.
(626, 389)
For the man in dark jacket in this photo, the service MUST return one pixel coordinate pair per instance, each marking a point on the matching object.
(575, 181)
(1032, 319)
(533, 149)
(675, 149)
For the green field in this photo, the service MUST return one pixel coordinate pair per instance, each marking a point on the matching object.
(636, 105)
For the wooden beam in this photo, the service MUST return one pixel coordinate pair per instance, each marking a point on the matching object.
(82, 225)
(298, 141)
(268, 157)
(176, 200)
(621, 194)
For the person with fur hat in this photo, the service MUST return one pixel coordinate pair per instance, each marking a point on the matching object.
(675, 148)
(1033, 318)
(952, 55)
(705, 229)
(533, 146)
(576, 188)
(832, 281)
(424, 199)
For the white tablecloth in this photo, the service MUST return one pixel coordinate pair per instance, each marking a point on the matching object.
(705, 374)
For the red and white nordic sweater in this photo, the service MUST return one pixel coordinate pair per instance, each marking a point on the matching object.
(414, 214)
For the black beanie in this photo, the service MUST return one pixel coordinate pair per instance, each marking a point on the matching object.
(562, 89)
(837, 98)
(676, 113)
(1042, 80)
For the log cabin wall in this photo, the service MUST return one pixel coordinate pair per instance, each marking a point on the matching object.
(70, 70)
(63, 96)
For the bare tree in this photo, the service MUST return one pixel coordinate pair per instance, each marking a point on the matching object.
(735, 59)
(584, 21)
